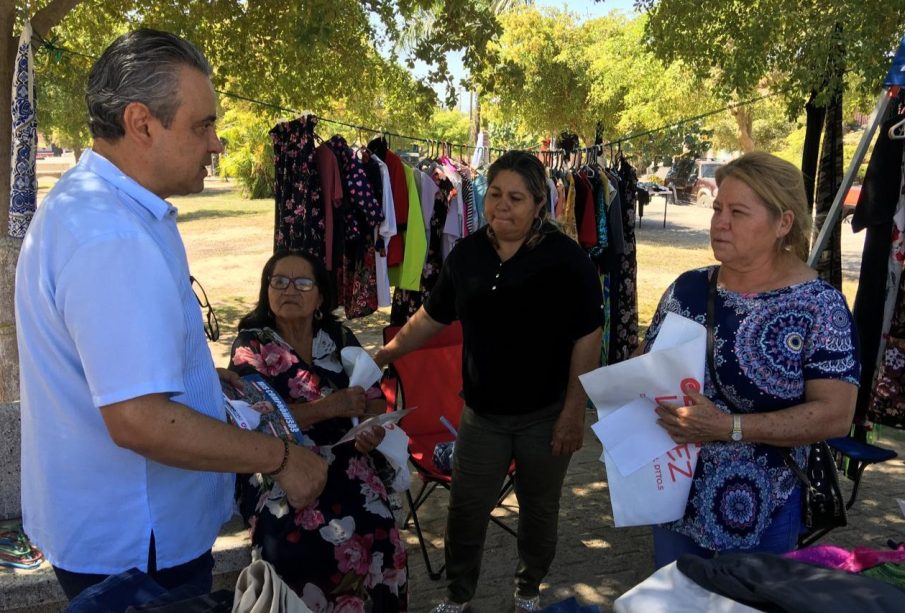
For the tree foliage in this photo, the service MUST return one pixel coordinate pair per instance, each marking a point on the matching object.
(317, 56)
(448, 125)
(554, 73)
(248, 152)
(535, 72)
(276, 52)
(312, 55)
(793, 46)
(770, 126)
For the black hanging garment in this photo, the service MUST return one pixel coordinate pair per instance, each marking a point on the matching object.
(829, 179)
(816, 117)
(299, 219)
(875, 209)
(624, 305)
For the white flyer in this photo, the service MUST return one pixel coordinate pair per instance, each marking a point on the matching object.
(363, 371)
(383, 419)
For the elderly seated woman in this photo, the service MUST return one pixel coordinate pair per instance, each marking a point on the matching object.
(343, 550)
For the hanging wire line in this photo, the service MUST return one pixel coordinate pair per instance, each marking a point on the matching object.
(595, 149)
(692, 119)
(56, 50)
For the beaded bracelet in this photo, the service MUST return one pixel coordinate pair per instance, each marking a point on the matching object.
(285, 459)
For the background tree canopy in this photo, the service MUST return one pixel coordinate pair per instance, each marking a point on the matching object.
(788, 43)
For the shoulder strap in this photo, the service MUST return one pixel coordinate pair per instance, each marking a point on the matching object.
(711, 368)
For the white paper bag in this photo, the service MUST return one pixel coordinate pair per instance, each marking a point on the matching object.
(657, 492)
(654, 494)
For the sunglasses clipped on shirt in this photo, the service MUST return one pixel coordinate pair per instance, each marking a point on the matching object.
(302, 284)
(211, 325)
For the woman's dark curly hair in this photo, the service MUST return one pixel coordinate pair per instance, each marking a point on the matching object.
(262, 317)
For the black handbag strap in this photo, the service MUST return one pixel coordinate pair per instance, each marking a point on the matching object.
(711, 307)
(715, 382)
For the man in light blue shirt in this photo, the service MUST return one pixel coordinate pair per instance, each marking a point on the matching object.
(125, 451)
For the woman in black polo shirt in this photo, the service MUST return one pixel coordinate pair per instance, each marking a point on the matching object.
(530, 304)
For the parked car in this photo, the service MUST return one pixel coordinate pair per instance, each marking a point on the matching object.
(851, 201)
(694, 180)
(43, 152)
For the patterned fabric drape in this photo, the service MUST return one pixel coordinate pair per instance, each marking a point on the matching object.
(829, 265)
(23, 193)
(299, 211)
(624, 324)
(888, 401)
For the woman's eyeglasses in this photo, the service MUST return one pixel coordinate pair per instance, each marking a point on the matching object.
(302, 284)
(211, 325)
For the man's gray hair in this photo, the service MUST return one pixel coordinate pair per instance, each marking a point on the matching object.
(141, 66)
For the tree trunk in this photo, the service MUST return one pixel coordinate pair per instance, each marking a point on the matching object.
(42, 22)
(744, 121)
(7, 59)
(9, 247)
(9, 353)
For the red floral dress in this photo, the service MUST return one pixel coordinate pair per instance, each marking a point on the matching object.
(343, 553)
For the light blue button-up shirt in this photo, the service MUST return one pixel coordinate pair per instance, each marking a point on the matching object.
(105, 312)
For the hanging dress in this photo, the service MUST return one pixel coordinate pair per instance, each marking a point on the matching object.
(361, 213)
(407, 302)
(624, 325)
(300, 223)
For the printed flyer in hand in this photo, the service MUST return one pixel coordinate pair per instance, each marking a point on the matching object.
(257, 406)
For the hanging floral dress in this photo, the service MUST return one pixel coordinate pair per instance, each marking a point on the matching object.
(300, 217)
(342, 553)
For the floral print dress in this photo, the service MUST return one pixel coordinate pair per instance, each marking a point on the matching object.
(343, 553)
(766, 347)
(300, 222)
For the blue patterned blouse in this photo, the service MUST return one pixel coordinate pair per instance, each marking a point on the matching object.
(766, 345)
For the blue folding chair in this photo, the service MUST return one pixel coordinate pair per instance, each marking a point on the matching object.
(860, 455)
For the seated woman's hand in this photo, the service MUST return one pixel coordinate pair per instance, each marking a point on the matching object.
(349, 402)
(368, 439)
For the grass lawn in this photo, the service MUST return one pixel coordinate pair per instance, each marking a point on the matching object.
(227, 240)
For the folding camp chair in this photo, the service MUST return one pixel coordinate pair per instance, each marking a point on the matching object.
(860, 455)
(430, 379)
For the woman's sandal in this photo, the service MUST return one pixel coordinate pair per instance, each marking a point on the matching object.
(526, 605)
(447, 606)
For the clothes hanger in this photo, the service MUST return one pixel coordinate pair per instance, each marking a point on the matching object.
(897, 131)
(587, 168)
(362, 149)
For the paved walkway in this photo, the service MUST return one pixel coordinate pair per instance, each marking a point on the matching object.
(596, 562)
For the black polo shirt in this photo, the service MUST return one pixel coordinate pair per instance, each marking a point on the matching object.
(520, 318)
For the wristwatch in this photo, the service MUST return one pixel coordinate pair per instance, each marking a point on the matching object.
(736, 434)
